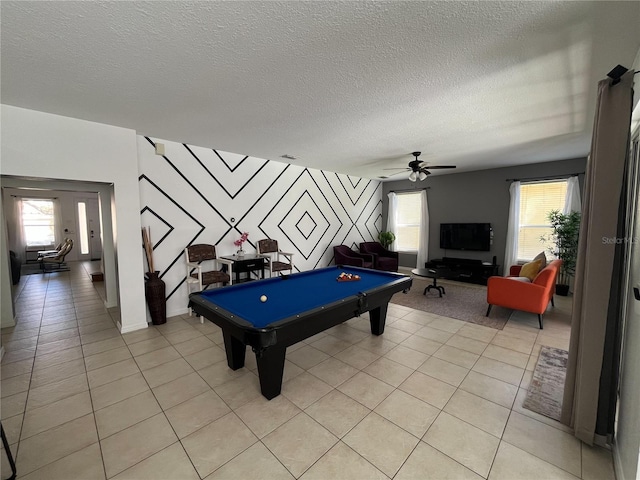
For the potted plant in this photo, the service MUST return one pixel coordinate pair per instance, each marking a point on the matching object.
(386, 239)
(564, 235)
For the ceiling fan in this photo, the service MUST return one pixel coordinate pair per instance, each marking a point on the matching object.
(419, 169)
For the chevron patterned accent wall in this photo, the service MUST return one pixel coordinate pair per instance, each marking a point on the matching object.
(199, 195)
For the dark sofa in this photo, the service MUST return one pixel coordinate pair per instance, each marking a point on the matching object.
(16, 266)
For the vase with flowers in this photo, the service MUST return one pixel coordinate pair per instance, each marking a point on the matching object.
(238, 243)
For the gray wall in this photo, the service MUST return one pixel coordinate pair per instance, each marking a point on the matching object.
(474, 197)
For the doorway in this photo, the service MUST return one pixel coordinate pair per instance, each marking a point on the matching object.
(99, 200)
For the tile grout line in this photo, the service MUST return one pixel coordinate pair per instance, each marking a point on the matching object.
(29, 390)
(335, 388)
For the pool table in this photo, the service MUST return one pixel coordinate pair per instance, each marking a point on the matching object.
(297, 306)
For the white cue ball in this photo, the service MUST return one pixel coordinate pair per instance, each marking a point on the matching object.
(263, 298)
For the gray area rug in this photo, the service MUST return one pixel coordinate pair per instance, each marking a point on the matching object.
(459, 301)
(547, 386)
(34, 269)
(30, 268)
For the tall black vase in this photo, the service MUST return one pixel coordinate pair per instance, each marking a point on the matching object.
(154, 292)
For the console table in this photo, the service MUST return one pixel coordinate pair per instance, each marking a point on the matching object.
(465, 269)
(248, 263)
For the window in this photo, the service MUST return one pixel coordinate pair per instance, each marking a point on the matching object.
(536, 201)
(408, 222)
(38, 222)
(82, 223)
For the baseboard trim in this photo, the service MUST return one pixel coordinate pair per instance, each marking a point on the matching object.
(131, 328)
(175, 313)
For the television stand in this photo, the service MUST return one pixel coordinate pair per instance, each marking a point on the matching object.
(465, 269)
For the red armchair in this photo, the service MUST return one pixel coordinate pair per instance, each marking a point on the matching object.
(383, 259)
(519, 294)
(343, 255)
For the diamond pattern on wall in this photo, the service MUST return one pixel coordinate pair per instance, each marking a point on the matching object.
(306, 225)
(353, 190)
(305, 204)
(221, 167)
(230, 159)
(373, 222)
(157, 224)
(191, 194)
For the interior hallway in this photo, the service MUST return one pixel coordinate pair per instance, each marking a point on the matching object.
(432, 397)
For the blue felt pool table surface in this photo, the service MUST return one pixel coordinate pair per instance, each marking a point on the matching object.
(294, 295)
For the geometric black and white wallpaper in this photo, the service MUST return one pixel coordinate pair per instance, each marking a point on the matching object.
(200, 195)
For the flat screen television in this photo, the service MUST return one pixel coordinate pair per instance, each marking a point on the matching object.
(465, 236)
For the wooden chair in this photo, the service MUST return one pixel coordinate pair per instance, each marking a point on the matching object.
(204, 268)
(268, 249)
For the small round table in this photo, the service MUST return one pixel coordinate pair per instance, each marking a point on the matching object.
(433, 273)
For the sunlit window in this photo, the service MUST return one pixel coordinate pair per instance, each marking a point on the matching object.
(38, 222)
(82, 223)
(536, 201)
(408, 234)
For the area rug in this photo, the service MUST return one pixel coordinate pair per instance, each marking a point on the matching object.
(30, 269)
(459, 301)
(547, 386)
(34, 269)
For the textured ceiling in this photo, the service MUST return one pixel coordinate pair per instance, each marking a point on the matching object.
(351, 87)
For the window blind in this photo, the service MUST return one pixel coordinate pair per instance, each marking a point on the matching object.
(408, 234)
(536, 201)
(38, 222)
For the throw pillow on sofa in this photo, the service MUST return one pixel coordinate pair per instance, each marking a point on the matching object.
(531, 269)
(543, 259)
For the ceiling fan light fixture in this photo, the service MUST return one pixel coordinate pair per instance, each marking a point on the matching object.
(418, 169)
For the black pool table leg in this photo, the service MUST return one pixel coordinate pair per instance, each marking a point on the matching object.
(235, 351)
(270, 370)
(377, 318)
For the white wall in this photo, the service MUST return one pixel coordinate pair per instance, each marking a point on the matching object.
(191, 194)
(7, 317)
(42, 145)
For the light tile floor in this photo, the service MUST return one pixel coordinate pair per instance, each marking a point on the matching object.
(431, 398)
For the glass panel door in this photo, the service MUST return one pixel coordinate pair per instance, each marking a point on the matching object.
(84, 252)
(82, 228)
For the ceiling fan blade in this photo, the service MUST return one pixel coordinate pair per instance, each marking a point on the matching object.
(392, 174)
(432, 167)
(398, 168)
